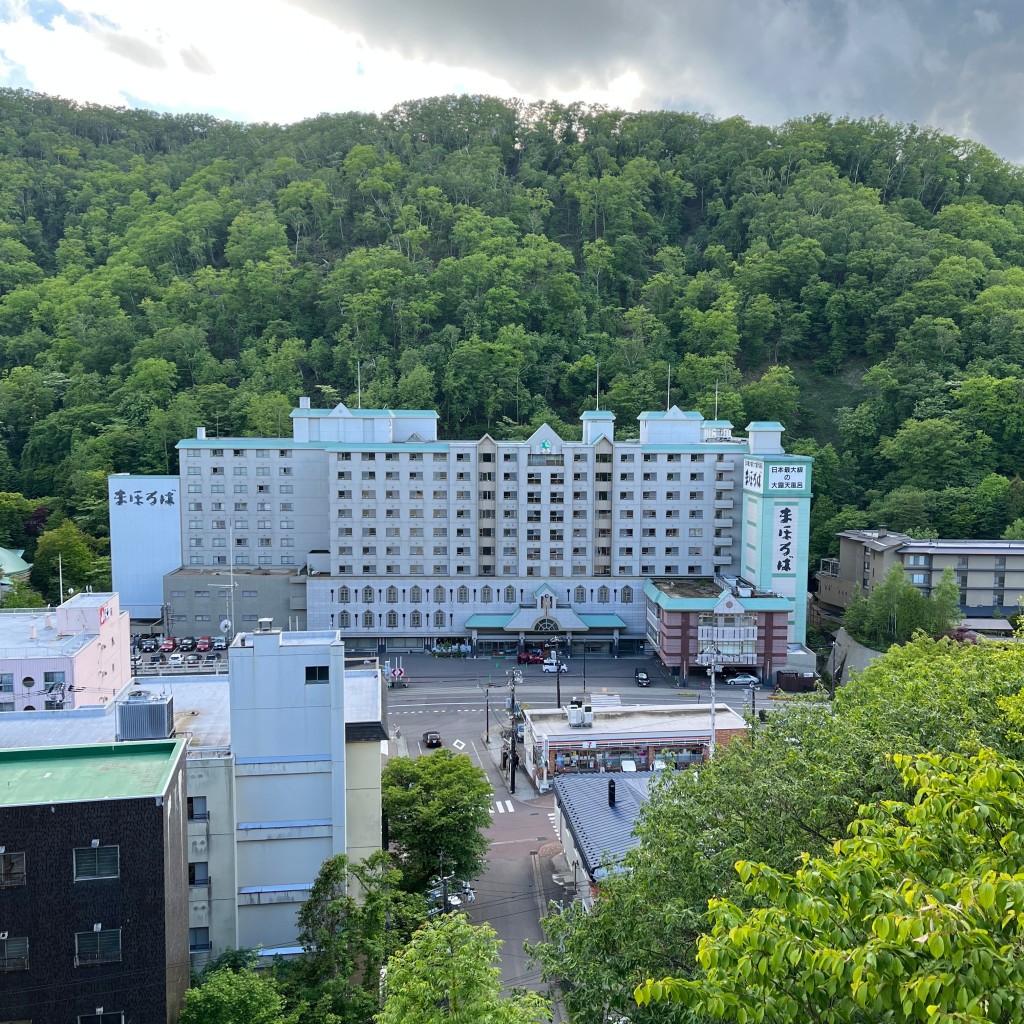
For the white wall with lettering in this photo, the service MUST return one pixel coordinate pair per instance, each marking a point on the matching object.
(145, 539)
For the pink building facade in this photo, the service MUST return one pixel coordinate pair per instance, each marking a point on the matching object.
(65, 657)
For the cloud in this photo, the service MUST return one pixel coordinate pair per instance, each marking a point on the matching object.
(951, 63)
(136, 50)
(196, 61)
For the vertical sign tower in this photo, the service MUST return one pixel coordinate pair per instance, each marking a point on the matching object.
(776, 528)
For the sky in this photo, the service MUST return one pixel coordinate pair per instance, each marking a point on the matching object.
(956, 65)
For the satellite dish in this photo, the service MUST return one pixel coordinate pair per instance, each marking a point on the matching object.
(225, 625)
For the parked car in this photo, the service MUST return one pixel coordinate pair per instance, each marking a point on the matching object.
(742, 679)
(213, 657)
(220, 643)
(204, 644)
(148, 645)
(157, 659)
(187, 643)
(555, 666)
(530, 658)
(431, 739)
(168, 645)
(642, 678)
(193, 659)
(175, 660)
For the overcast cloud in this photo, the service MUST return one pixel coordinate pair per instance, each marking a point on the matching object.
(953, 64)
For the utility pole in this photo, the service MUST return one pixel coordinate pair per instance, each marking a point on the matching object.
(487, 714)
(715, 655)
(516, 677)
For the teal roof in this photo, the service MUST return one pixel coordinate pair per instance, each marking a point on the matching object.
(487, 621)
(383, 446)
(718, 423)
(678, 414)
(102, 771)
(603, 621)
(738, 446)
(244, 442)
(598, 414)
(765, 425)
(11, 562)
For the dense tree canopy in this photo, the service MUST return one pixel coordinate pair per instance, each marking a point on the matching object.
(861, 281)
(793, 790)
(917, 915)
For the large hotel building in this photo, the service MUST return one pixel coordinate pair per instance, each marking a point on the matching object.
(365, 521)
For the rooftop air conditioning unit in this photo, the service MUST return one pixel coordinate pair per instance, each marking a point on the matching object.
(575, 715)
(145, 716)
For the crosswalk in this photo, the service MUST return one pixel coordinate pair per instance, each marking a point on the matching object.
(503, 807)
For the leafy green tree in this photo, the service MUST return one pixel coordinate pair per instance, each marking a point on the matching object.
(895, 610)
(915, 916)
(62, 550)
(21, 595)
(447, 973)
(356, 916)
(794, 789)
(231, 997)
(437, 809)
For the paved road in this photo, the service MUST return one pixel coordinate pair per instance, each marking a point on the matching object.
(452, 696)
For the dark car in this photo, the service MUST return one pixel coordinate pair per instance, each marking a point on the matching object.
(148, 645)
(187, 643)
(193, 658)
(431, 739)
(642, 678)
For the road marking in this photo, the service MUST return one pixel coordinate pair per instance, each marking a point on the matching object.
(508, 804)
(506, 807)
(459, 745)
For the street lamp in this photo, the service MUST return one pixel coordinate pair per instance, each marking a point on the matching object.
(715, 655)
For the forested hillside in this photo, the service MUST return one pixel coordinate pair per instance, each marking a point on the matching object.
(861, 281)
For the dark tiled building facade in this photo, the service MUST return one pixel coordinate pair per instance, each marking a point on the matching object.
(93, 884)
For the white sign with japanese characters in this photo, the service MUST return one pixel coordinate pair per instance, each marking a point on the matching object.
(145, 539)
(787, 477)
(784, 538)
(753, 475)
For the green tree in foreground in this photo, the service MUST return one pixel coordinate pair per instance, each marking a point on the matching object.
(356, 916)
(436, 807)
(235, 997)
(918, 916)
(447, 974)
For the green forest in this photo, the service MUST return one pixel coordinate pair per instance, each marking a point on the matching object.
(860, 281)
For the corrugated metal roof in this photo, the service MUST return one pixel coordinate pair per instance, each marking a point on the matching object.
(603, 834)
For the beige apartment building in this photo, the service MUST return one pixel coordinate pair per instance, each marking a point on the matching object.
(989, 573)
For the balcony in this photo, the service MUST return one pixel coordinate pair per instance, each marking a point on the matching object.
(726, 504)
(723, 522)
(828, 567)
(724, 485)
(707, 635)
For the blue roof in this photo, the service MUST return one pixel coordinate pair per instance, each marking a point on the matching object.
(603, 621)
(365, 413)
(603, 834)
(486, 621)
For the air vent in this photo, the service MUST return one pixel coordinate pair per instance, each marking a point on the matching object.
(145, 716)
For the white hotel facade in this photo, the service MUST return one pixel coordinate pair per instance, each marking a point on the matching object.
(365, 521)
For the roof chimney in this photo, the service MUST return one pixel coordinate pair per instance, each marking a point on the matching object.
(32, 634)
(304, 402)
(611, 792)
(200, 433)
(883, 531)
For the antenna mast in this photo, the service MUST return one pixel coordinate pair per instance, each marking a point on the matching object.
(668, 390)
(359, 384)
(716, 399)
(597, 389)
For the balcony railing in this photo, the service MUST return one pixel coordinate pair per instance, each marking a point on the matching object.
(14, 963)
